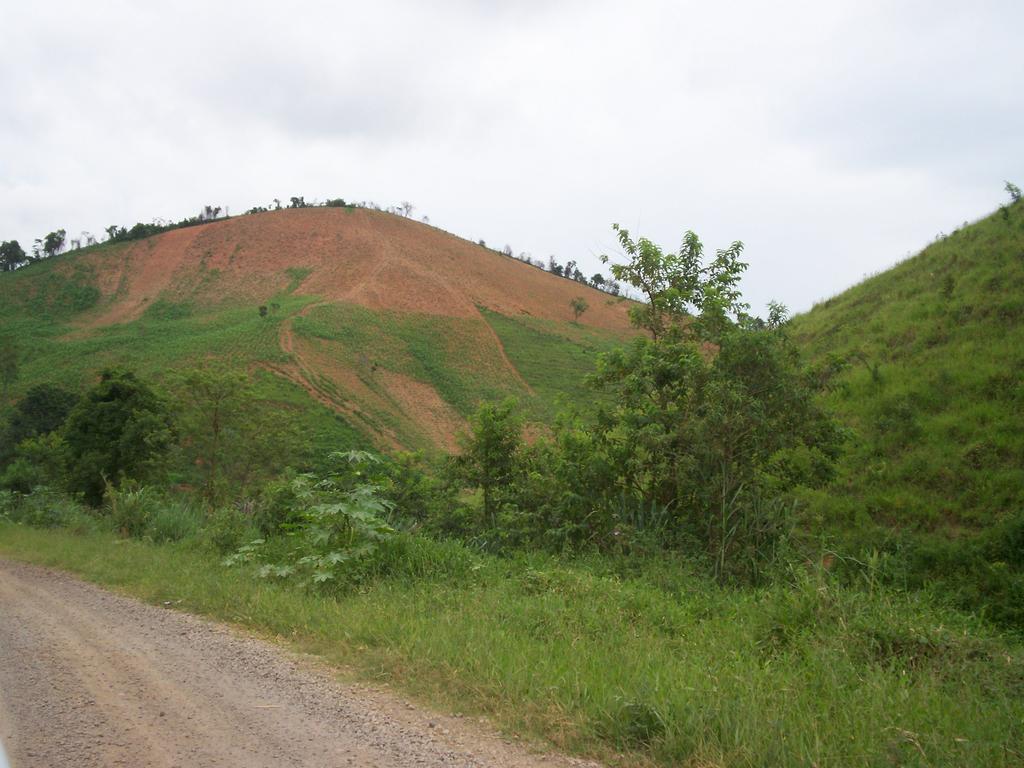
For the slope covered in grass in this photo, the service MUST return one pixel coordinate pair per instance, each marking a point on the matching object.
(933, 394)
(372, 328)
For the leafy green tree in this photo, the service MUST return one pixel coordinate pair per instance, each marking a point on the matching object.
(42, 410)
(579, 306)
(679, 286)
(121, 429)
(707, 417)
(490, 454)
(38, 461)
(12, 255)
(226, 433)
(53, 243)
(1013, 191)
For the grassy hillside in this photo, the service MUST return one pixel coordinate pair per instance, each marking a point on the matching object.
(372, 329)
(933, 393)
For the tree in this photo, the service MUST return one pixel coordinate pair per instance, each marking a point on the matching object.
(121, 429)
(597, 280)
(579, 306)
(490, 453)
(1013, 191)
(713, 417)
(406, 208)
(679, 285)
(43, 409)
(296, 202)
(12, 256)
(53, 243)
(38, 461)
(225, 434)
(9, 354)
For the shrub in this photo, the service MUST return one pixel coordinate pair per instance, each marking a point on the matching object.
(46, 508)
(173, 521)
(339, 522)
(38, 461)
(228, 528)
(130, 509)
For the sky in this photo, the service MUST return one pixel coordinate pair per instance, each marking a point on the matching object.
(833, 138)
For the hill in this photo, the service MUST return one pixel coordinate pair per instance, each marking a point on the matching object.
(396, 328)
(930, 360)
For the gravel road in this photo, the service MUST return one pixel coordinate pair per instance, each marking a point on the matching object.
(90, 678)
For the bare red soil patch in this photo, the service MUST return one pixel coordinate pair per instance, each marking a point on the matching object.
(374, 259)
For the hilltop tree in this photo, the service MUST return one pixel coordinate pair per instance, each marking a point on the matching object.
(115, 233)
(579, 306)
(53, 243)
(1013, 191)
(406, 208)
(12, 256)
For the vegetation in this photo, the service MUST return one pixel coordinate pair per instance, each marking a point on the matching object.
(120, 429)
(8, 363)
(709, 553)
(12, 256)
(633, 661)
(924, 364)
(578, 305)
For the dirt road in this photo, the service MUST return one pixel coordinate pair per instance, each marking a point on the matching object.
(90, 678)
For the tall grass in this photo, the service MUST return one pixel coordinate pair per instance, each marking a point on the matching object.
(632, 662)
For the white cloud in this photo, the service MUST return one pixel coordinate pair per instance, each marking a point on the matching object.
(832, 137)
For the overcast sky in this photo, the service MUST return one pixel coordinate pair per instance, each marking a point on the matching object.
(833, 137)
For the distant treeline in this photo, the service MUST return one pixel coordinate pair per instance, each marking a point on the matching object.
(13, 256)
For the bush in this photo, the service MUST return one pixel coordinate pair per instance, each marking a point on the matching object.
(39, 461)
(173, 521)
(130, 509)
(339, 523)
(228, 528)
(46, 508)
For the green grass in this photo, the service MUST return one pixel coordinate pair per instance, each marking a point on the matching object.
(636, 663)
(46, 306)
(934, 395)
(554, 358)
(454, 355)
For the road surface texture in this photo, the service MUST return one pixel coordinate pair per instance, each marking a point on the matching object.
(90, 678)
